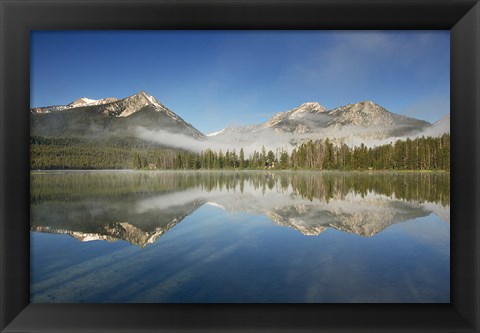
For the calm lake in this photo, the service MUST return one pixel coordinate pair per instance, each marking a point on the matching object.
(251, 236)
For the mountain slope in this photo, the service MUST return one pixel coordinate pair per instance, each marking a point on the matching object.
(355, 122)
(370, 114)
(108, 117)
(143, 117)
(83, 101)
(438, 128)
(88, 102)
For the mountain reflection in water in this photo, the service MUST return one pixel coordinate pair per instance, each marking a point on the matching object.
(140, 207)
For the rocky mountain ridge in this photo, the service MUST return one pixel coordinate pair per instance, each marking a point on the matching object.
(352, 124)
(81, 102)
(365, 119)
(109, 115)
(84, 101)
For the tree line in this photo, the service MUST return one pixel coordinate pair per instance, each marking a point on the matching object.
(418, 154)
(425, 153)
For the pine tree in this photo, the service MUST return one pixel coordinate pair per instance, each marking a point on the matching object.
(241, 159)
(283, 160)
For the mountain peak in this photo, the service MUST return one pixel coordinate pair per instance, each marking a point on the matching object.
(84, 101)
(369, 114)
(149, 99)
(366, 107)
(367, 104)
(146, 111)
(291, 120)
(314, 107)
(143, 93)
(137, 101)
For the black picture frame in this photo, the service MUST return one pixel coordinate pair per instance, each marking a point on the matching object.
(19, 17)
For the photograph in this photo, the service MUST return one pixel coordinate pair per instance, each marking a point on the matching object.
(240, 166)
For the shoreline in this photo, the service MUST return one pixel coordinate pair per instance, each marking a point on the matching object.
(237, 170)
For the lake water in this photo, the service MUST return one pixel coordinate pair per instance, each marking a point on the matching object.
(251, 236)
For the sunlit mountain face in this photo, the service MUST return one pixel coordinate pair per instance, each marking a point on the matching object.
(142, 120)
(142, 207)
(108, 118)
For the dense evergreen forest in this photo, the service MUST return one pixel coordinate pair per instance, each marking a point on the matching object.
(425, 153)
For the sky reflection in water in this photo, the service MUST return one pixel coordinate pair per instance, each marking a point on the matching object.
(239, 237)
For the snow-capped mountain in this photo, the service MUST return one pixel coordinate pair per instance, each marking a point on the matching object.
(314, 118)
(129, 105)
(83, 101)
(292, 121)
(88, 102)
(143, 116)
(109, 115)
(298, 119)
(370, 114)
(351, 124)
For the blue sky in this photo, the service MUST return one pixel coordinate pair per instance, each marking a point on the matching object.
(215, 79)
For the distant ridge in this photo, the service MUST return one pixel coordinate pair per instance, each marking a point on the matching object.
(352, 124)
(362, 122)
